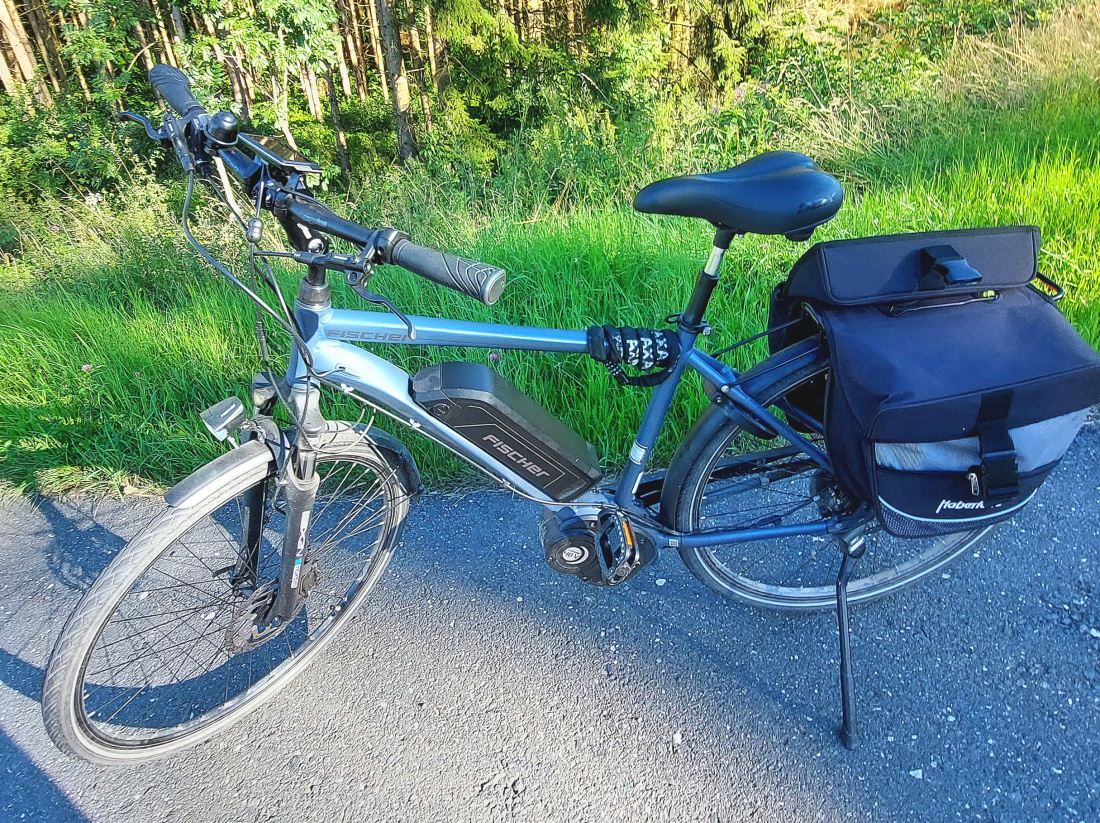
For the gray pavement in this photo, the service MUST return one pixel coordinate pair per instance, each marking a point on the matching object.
(479, 685)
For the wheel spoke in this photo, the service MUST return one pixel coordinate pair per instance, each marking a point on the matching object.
(171, 658)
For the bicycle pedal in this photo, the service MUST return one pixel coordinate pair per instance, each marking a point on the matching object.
(622, 549)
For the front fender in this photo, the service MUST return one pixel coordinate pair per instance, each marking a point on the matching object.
(239, 462)
(398, 455)
(253, 454)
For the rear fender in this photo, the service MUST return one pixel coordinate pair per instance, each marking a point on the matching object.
(756, 382)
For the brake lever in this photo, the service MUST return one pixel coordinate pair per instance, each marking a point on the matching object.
(154, 133)
(179, 142)
(356, 280)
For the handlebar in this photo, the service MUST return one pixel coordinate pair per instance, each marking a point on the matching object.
(315, 216)
(477, 280)
(216, 136)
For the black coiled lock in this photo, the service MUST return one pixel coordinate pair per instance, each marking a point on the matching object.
(642, 349)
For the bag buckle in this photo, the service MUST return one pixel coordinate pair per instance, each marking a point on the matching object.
(999, 474)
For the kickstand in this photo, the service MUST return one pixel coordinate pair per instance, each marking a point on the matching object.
(854, 547)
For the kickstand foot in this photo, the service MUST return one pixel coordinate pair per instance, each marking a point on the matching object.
(853, 550)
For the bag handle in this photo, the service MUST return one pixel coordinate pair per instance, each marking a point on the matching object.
(942, 266)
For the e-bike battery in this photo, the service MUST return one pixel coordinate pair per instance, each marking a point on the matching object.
(500, 420)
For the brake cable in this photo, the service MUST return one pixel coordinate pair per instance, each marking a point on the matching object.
(228, 275)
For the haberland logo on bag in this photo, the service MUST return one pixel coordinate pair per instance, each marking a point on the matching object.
(959, 504)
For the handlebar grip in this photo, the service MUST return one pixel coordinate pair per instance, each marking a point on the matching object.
(173, 85)
(478, 280)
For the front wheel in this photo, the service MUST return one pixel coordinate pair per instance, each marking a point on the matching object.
(734, 479)
(158, 655)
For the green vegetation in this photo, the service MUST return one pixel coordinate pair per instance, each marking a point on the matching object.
(998, 129)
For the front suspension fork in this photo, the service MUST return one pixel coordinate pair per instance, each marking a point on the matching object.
(254, 503)
(300, 493)
(300, 480)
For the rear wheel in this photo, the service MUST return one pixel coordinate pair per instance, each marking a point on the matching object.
(735, 479)
(158, 655)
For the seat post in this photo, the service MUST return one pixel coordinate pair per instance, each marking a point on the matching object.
(691, 320)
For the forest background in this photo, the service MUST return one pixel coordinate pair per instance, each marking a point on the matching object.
(512, 131)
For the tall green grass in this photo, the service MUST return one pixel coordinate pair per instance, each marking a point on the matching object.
(114, 336)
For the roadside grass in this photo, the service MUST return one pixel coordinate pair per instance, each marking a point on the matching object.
(1010, 138)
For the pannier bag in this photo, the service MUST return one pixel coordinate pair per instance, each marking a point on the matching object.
(956, 386)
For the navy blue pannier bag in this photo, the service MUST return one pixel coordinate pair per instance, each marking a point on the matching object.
(955, 384)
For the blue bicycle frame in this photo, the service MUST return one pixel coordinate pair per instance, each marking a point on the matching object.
(382, 385)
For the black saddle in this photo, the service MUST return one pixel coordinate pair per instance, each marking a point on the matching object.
(780, 192)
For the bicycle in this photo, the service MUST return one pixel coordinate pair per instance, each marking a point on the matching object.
(264, 554)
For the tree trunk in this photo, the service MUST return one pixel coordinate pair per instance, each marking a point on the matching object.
(376, 47)
(20, 45)
(16, 37)
(230, 69)
(279, 95)
(353, 36)
(43, 49)
(166, 41)
(6, 77)
(430, 36)
(414, 32)
(146, 57)
(419, 68)
(345, 77)
(399, 83)
(51, 56)
(177, 24)
(247, 84)
(76, 69)
(338, 125)
(309, 86)
(570, 25)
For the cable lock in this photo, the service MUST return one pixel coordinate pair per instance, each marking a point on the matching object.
(644, 349)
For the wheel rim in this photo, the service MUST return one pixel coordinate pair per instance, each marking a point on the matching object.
(161, 668)
(754, 483)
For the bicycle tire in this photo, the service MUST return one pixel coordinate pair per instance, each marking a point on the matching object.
(67, 691)
(794, 483)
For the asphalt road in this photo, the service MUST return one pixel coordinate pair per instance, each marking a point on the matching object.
(479, 685)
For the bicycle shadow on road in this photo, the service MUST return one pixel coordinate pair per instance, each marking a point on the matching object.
(33, 796)
(21, 676)
(82, 546)
(54, 550)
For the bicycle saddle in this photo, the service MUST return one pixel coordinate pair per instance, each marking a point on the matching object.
(779, 192)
